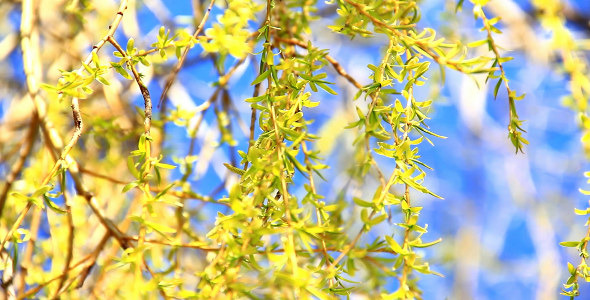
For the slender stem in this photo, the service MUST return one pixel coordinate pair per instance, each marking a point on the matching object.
(419, 44)
(178, 65)
(17, 167)
(70, 245)
(335, 64)
(145, 93)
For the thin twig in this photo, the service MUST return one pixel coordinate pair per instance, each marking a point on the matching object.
(178, 65)
(177, 194)
(33, 75)
(453, 64)
(18, 165)
(145, 93)
(77, 116)
(84, 192)
(384, 185)
(337, 66)
(252, 123)
(82, 274)
(279, 250)
(29, 247)
(70, 245)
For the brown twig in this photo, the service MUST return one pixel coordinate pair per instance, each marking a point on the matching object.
(82, 274)
(70, 245)
(77, 116)
(84, 192)
(18, 165)
(29, 247)
(145, 93)
(178, 194)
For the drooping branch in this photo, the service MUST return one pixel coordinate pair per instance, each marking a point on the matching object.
(33, 72)
(337, 66)
(17, 167)
(180, 62)
(145, 93)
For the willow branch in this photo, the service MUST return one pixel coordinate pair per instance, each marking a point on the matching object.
(70, 245)
(335, 64)
(29, 247)
(92, 260)
(279, 250)
(145, 93)
(360, 8)
(77, 116)
(178, 66)
(25, 151)
(32, 68)
(178, 194)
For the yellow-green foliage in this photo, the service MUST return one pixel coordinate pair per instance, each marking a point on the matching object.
(127, 231)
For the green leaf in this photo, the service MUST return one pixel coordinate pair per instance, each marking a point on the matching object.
(424, 245)
(377, 220)
(121, 70)
(130, 185)
(394, 245)
(144, 61)
(160, 228)
(234, 169)
(571, 268)
(365, 216)
(477, 43)
(19, 196)
(257, 98)
(38, 202)
(326, 88)
(261, 77)
(459, 5)
(53, 206)
(131, 166)
(42, 191)
(419, 187)
(296, 163)
(429, 132)
(130, 44)
(165, 166)
(570, 244)
(95, 59)
(103, 80)
(164, 191)
(49, 87)
(162, 32)
(34, 200)
(497, 87)
(361, 202)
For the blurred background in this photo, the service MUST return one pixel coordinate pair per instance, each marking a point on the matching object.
(503, 214)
